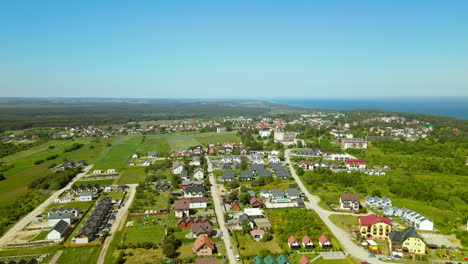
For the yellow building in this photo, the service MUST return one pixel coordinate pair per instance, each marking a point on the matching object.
(374, 227)
(407, 241)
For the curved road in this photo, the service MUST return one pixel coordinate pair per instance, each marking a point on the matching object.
(220, 213)
(10, 234)
(345, 239)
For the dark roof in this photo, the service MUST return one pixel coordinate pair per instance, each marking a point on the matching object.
(196, 189)
(60, 227)
(264, 173)
(398, 237)
(282, 173)
(228, 175)
(292, 192)
(244, 217)
(60, 215)
(257, 167)
(246, 174)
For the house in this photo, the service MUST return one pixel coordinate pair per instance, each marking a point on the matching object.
(195, 161)
(264, 194)
(282, 174)
(197, 150)
(131, 163)
(304, 260)
(182, 208)
(246, 175)
(151, 154)
(74, 211)
(273, 159)
(258, 260)
(324, 242)
(397, 211)
(97, 171)
(203, 246)
(256, 158)
(282, 259)
(146, 163)
(349, 201)
(206, 261)
(86, 196)
(374, 227)
(251, 193)
(135, 156)
(257, 234)
(306, 164)
(184, 175)
(264, 133)
(228, 176)
(199, 174)
(202, 228)
(292, 243)
(355, 164)
(187, 222)
(255, 203)
(245, 219)
(353, 143)
(407, 241)
(257, 167)
(58, 231)
(307, 242)
(177, 167)
(54, 218)
(111, 171)
(264, 173)
(276, 194)
(388, 211)
(194, 191)
(292, 193)
(190, 183)
(235, 206)
(162, 186)
(220, 129)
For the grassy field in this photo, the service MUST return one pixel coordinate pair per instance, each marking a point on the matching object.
(100, 182)
(81, 205)
(250, 247)
(215, 138)
(132, 174)
(119, 153)
(18, 251)
(154, 143)
(41, 236)
(84, 254)
(346, 222)
(181, 141)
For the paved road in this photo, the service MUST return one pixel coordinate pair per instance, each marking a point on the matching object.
(123, 211)
(346, 240)
(10, 234)
(219, 209)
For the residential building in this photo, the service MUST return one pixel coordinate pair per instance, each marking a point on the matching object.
(354, 143)
(407, 241)
(58, 231)
(203, 246)
(349, 201)
(375, 227)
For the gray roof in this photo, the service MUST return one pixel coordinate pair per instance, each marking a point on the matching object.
(251, 193)
(228, 175)
(151, 153)
(195, 189)
(86, 194)
(282, 173)
(60, 227)
(245, 217)
(398, 237)
(257, 167)
(264, 173)
(277, 193)
(292, 192)
(60, 215)
(246, 174)
(184, 173)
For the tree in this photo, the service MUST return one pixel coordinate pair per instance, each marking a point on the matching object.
(170, 245)
(266, 237)
(2, 177)
(244, 198)
(376, 192)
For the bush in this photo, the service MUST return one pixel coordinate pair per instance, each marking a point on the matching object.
(37, 162)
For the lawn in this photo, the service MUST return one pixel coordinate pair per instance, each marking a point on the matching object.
(181, 141)
(83, 254)
(99, 182)
(81, 205)
(154, 143)
(18, 251)
(249, 248)
(345, 222)
(113, 195)
(133, 174)
(41, 236)
(119, 153)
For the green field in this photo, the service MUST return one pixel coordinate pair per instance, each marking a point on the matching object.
(345, 222)
(81, 205)
(181, 141)
(119, 153)
(84, 254)
(132, 174)
(215, 138)
(41, 236)
(154, 143)
(99, 182)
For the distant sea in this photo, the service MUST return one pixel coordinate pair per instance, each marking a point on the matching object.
(444, 106)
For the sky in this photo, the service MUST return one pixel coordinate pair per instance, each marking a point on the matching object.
(233, 49)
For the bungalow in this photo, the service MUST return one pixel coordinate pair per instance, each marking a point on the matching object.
(264, 173)
(135, 156)
(257, 234)
(146, 163)
(292, 243)
(257, 167)
(324, 242)
(177, 167)
(228, 176)
(151, 154)
(97, 171)
(282, 174)
(292, 193)
(203, 246)
(307, 242)
(199, 174)
(246, 175)
(273, 159)
(255, 203)
(194, 191)
(355, 164)
(349, 201)
(190, 183)
(264, 194)
(276, 194)
(58, 231)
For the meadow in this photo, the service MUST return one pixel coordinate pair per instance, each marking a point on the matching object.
(154, 143)
(119, 153)
(84, 254)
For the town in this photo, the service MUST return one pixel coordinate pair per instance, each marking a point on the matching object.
(313, 187)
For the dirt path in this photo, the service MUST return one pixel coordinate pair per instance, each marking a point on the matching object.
(121, 215)
(56, 256)
(11, 233)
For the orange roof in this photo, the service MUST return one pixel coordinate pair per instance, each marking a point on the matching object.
(306, 239)
(291, 240)
(323, 239)
(304, 260)
(201, 241)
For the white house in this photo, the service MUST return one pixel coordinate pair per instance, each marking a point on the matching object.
(177, 167)
(86, 196)
(54, 218)
(264, 133)
(135, 156)
(198, 174)
(97, 171)
(58, 231)
(146, 163)
(111, 171)
(197, 203)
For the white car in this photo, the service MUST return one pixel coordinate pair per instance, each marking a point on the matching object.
(237, 257)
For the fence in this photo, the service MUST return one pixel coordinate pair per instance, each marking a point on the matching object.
(29, 243)
(83, 244)
(138, 215)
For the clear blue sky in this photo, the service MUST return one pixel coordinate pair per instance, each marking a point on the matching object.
(222, 49)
